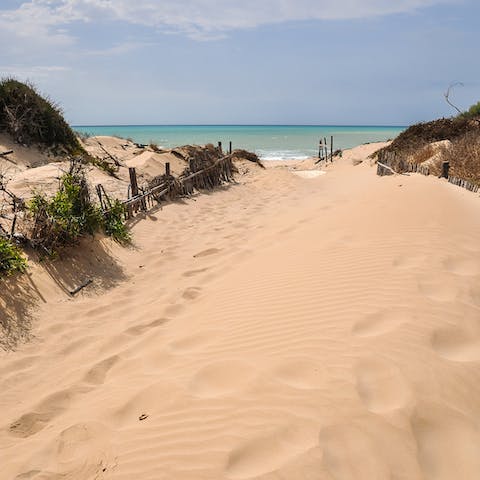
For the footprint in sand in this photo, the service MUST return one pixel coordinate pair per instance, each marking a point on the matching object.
(42, 414)
(378, 323)
(98, 373)
(457, 344)
(174, 309)
(268, 453)
(221, 378)
(141, 329)
(80, 451)
(301, 373)
(192, 273)
(206, 253)
(381, 386)
(191, 293)
(448, 443)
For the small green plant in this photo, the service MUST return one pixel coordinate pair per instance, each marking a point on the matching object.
(107, 167)
(61, 220)
(473, 111)
(11, 258)
(115, 225)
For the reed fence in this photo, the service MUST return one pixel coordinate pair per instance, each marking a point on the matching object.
(389, 164)
(170, 187)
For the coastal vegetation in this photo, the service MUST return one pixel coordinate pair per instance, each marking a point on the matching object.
(12, 259)
(61, 220)
(456, 140)
(33, 119)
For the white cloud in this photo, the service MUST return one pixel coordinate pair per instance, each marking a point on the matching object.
(196, 18)
(33, 72)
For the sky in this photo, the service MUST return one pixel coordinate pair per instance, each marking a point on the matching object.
(323, 62)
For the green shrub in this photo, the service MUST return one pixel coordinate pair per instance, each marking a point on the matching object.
(473, 111)
(11, 258)
(115, 225)
(61, 220)
(32, 119)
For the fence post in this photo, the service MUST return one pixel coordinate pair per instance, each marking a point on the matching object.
(445, 169)
(167, 169)
(98, 188)
(331, 148)
(133, 181)
(220, 146)
(230, 148)
(320, 150)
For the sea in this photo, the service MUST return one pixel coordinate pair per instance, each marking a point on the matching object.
(270, 142)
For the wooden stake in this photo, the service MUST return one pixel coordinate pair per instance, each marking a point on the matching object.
(167, 169)
(445, 169)
(133, 181)
(220, 146)
(331, 148)
(230, 148)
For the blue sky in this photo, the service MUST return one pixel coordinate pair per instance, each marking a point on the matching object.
(347, 62)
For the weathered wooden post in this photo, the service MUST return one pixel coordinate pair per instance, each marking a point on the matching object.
(167, 169)
(331, 148)
(98, 188)
(220, 146)
(133, 181)
(230, 148)
(320, 150)
(445, 169)
(325, 146)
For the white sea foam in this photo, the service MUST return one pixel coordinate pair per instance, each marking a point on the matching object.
(281, 155)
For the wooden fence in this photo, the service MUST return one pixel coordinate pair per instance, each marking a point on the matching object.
(170, 187)
(472, 187)
(390, 165)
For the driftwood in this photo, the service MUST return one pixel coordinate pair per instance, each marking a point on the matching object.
(381, 167)
(8, 152)
(109, 155)
(86, 283)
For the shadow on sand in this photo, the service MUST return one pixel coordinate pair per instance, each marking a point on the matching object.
(21, 295)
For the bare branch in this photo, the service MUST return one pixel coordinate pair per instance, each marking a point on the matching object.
(447, 95)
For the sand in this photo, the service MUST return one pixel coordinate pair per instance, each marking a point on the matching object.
(317, 327)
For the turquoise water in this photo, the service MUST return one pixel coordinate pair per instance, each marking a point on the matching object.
(271, 142)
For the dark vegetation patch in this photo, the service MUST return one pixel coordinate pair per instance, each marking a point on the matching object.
(32, 119)
(417, 136)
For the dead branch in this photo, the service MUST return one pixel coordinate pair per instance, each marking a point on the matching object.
(447, 95)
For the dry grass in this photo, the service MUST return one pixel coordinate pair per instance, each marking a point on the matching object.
(464, 157)
(423, 154)
(417, 136)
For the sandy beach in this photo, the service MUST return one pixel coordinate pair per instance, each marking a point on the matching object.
(313, 326)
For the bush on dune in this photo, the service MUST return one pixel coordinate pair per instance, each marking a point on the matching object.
(32, 119)
(421, 134)
(11, 258)
(61, 220)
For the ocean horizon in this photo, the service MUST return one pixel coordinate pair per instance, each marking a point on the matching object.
(270, 142)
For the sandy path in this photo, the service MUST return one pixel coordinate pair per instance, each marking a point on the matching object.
(311, 328)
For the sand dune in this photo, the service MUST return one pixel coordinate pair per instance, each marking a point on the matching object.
(288, 327)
